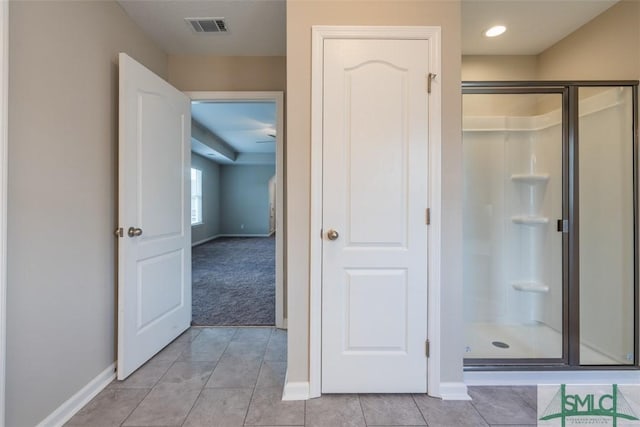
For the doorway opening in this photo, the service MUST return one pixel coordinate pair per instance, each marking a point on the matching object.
(550, 225)
(237, 209)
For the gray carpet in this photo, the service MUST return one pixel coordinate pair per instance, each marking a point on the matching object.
(234, 281)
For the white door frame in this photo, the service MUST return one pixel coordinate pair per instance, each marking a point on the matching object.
(278, 98)
(4, 125)
(319, 35)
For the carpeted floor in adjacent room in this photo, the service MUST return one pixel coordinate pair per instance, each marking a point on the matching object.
(234, 281)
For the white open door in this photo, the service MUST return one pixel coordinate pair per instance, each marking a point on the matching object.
(154, 244)
(374, 196)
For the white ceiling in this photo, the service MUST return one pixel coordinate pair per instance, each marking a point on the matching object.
(247, 127)
(532, 25)
(256, 27)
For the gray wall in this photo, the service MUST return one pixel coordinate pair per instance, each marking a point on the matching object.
(232, 196)
(63, 93)
(210, 226)
(244, 198)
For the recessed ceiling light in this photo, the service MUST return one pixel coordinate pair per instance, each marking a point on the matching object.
(495, 31)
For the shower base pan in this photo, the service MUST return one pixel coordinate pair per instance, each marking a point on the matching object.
(535, 341)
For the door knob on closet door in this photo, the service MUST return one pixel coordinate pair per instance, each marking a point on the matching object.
(133, 231)
(332, 234)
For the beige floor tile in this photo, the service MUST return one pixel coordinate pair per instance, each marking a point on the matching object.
(502, 405)
(205, 348)
(146, 376)
(232, 372)
(257, 334)
(277, 346)
(218, 333)
(272, 374)
(246, 350)
(220, 408)
(391, 409)
(446, 413)
(268, 408)
(192, 374)
(338, 410)
(172, 352)
(109, 408)
(166, 405)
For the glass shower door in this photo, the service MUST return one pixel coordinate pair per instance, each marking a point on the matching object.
(512, 248)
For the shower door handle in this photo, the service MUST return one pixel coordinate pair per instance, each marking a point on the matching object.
(563, 226)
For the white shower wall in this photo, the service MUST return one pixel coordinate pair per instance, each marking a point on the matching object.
(512, 199)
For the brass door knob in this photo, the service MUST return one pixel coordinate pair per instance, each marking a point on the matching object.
(332, 234)
(133, 232)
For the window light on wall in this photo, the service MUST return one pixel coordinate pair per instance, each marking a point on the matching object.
(196, 196)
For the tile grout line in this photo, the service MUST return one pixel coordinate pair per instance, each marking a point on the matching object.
(246, 413)
(364, 417)
(479, 412)
(413, 398)
(158, 381)
(253, 392)
(150, 389)
(304, 413)
(204, 383)
(526, 401)
(136, 407)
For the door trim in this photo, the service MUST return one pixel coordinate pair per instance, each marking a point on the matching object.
(319, 34)
(278, 98)
(4, 142)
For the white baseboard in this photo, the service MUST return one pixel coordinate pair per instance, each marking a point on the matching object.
(69, 408)
(208, 239)
(454, 391)
(551, 377)
(244, 235)
(217, 236)
(295, 390)
(301, 391)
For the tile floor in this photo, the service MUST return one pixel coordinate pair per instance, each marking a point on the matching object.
(232, 377)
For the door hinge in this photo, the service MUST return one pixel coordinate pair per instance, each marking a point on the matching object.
(426, 348)
(427, 216)
(119, 232)
(430, 78)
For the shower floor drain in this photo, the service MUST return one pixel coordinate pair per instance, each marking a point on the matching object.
(500, 344)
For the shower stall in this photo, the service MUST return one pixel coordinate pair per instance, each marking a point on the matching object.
(550, 230)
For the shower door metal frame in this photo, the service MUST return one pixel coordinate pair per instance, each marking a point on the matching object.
(570, 359)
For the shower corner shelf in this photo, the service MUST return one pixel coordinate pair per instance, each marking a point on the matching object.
(530, 287)
(531, 178)
(529, 220)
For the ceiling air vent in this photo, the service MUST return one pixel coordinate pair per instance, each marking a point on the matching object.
(208, 25)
